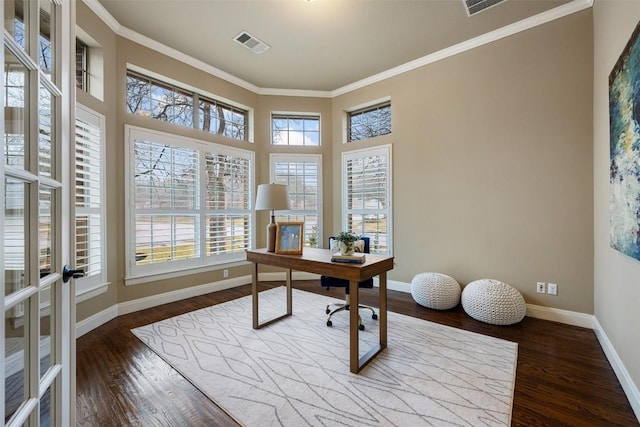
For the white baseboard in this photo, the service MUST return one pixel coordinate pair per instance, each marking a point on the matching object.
(180, 294)
(563, 316)
(630, 389)
(98, 319)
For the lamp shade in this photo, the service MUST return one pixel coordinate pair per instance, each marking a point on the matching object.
(272, 197)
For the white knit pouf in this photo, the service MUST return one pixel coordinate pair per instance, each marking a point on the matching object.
(435, 290)
(492, 301)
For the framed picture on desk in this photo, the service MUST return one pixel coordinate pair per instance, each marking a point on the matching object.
(289, 238)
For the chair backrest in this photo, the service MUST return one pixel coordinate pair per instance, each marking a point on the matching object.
(364, 238)
(328, 282)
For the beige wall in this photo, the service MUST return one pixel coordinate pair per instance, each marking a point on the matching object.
(492, 155)
(616, 276)
(106, 39)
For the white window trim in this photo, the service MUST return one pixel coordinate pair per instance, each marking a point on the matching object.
(89, 287)
(316, 158)
(357, 154)
(143, 274)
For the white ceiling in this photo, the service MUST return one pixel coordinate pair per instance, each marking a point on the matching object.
(322, 45)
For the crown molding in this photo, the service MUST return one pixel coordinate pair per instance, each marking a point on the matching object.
(517, 27)
(523, 25)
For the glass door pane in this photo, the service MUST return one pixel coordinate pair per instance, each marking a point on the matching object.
(14, 20)
(47, 325)
(45, 230)
(15, 358)
(47, 31)
(16, 104)
(15, 235)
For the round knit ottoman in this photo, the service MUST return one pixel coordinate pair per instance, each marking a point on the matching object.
(492, 301)
(435, 290)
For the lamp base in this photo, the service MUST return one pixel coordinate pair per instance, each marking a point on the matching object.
(271, 235)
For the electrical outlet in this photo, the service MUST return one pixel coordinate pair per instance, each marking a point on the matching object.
(225, 273)
(540, 287)
(552, 289)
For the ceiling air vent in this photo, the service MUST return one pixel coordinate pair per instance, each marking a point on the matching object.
(252, 43)
(475, 6)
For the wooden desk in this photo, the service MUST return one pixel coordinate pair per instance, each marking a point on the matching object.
(318, 261)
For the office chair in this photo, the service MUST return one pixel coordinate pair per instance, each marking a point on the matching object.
(327, 282)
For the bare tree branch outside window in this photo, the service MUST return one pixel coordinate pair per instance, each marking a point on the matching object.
(161, 101)
(370, 122)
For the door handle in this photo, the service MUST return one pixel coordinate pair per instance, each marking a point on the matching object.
(68, 273)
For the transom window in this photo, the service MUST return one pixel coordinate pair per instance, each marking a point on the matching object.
(292, 129)
(82, 66)
(369, 122)
(159, 100)
(191, 202)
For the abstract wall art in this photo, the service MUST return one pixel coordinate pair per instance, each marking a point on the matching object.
(624, 173)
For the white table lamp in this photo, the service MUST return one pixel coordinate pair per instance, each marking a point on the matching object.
(272, 197)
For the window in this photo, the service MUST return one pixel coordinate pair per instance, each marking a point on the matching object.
(367, 195)
(303, 177)
(369, 122)
(162, 101)
(191, 202)
(82, 66)
(289, 129)
(90, 199)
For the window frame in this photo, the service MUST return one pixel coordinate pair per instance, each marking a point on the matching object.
(83, 72)
(381, 150)
(87, 287)
(197, 96)
(365, 109)
(136, 274)
(294, 214)
(292, 116)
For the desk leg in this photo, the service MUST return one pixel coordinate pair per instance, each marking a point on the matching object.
(255, 302)
(358, 363)
(254, 294)
(354, 333)
(289, 293)
(383, 309)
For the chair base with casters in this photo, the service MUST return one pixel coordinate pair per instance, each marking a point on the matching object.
(328, 282)
(345, 306)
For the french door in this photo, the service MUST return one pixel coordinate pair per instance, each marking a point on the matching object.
(37, 341)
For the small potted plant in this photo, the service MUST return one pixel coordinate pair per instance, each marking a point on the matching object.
(345, 241)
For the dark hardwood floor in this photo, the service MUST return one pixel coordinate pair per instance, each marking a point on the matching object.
(563, 377)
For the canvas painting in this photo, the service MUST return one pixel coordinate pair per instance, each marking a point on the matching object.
(624, 177)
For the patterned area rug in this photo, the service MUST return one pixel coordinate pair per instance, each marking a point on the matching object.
(295, 372)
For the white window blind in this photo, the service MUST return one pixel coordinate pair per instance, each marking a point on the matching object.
(89, 198)
(367, 196)
(303, 176)
(228, 204)
(192, 203)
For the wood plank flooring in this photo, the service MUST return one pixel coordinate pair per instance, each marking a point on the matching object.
(563, 377)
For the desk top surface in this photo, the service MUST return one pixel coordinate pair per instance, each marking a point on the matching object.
(314, 260)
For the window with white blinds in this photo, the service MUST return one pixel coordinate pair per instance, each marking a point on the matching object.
(191, 202)
(367, 196)
(302, 174)
(89, 199)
